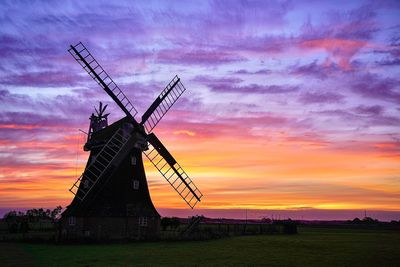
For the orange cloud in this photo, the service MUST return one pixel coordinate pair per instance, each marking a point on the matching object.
(185, 132)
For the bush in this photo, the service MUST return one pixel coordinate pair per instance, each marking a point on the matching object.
(170, 222)
(289, 227)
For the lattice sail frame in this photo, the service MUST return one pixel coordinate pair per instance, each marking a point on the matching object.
(162, 104)
(173, 172)
(96, 71)
(100, 164)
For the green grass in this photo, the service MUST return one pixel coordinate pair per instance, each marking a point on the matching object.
(311, 247)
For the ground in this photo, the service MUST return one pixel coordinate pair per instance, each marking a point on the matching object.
(311, 247)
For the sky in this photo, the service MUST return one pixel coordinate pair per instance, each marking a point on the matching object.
(291, 107)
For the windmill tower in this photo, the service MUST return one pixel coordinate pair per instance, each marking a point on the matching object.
(111, 197)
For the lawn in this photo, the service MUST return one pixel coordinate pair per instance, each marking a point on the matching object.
(311, 247)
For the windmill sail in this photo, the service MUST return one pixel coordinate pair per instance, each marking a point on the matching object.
(162, 104)
(107, 157)
(93, 68)
(113, 151)
(172, 171)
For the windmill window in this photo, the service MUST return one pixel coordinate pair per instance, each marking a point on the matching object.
(71, 221)
(135, 184)
(143, 221)
(133, 160)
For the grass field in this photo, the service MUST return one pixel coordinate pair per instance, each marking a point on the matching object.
(311, 247)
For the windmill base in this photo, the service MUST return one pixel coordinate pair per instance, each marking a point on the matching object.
(109, 228)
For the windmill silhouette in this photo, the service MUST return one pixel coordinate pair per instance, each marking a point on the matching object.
(111, 197)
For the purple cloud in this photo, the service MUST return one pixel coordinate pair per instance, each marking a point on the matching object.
(243, 71)
(41, 79)
(255, 89)
(369, 110)
(321, 97)
(231, 85)
(200, 57)
(355, 24)
(209, 80)
(372, 86)
(389, 62)
(320, 71)
(366, 117)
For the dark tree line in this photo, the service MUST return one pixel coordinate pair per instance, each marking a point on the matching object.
(170, 222)
(18, 221)
(365, 220)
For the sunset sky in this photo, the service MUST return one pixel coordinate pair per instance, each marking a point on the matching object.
(292, 107)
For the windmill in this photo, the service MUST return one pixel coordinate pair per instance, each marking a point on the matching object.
(111, 197)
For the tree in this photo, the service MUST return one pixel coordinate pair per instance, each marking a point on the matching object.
(175, 222)
(55, 214)
(16, 221)
(370, 220)
(38, 214)
(289, 227)
(165, 222)
(10, 215)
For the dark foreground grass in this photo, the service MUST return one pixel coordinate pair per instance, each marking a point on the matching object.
(312, 247)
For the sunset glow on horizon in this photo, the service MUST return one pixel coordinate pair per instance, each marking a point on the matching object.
(290, 105)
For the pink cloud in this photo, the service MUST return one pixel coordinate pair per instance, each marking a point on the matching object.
(340, 50)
